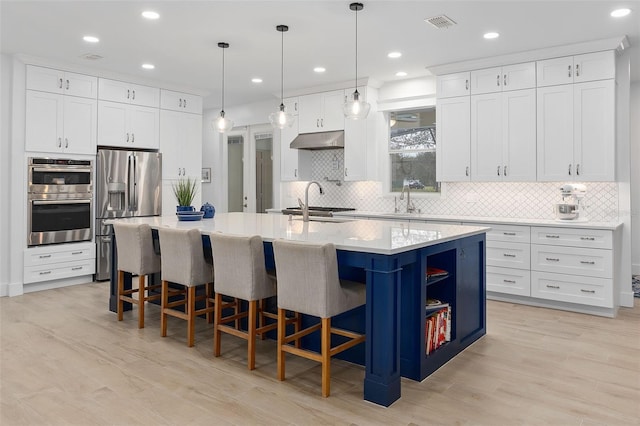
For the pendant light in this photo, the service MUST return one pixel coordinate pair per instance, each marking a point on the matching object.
(222, 124)
(281, 118)
(355, 107)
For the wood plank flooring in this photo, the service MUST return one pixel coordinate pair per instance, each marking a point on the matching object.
(66, 360)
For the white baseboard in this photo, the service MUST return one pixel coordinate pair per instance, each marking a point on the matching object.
(65, 282)
(626, 299)
(10, 289)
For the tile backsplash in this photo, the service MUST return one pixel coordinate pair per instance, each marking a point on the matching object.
(526, 200)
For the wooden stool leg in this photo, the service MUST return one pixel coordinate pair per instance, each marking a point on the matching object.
(325, 332)
(261, 318)
(191, 308)
(141, 301)
(209, 293)
(120, 291)
(297, 326)
(164, 299)
(251, 329)
(217, 334)
(281, 335)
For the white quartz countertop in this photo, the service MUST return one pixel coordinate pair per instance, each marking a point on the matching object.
(368, 236)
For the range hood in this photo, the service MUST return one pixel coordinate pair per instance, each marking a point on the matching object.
(320, 140)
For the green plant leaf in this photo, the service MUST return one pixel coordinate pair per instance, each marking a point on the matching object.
(185, 191)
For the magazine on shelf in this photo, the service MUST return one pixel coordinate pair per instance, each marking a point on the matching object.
(433, 272)
(437, 328)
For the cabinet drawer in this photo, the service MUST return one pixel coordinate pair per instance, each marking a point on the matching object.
(509, 255)
(509, 281)
(46, 256)
(33, 274)
(569, 288)
(508, 233)
(590, 238)
(572, 260)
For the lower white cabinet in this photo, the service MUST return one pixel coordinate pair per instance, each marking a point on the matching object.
(572, 289)
(508, 280)
(572, 260)
(48, 263)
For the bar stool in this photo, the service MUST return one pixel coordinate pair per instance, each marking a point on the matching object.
(183, 263)
(241, 273)
(136, 256)
(308, 283)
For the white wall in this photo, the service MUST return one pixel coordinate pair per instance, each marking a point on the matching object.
(634, 139)
(5, 169)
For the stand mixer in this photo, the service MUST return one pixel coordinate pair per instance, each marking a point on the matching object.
(572, 206)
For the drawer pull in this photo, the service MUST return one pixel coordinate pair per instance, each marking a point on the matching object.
(588, 262)
(587, 291)
(508, 255)
(44, 256)
(552, 286)
(509, 281)
(45, 272)
(552, 259)
(552, 236)
(76, 252)
(588, 238)
(77, 268)
(509, 233)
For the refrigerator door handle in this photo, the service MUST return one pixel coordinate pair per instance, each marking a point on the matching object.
(130, 189)
(135, 180)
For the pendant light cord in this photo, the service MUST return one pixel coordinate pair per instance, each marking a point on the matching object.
(282, 68)
(223, 79)
(356, 82)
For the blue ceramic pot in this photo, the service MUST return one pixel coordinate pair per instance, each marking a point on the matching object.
(209, 210)
(185, 209)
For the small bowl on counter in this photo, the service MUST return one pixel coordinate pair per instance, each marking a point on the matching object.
(189, 216)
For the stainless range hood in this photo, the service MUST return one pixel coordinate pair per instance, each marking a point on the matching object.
(320, 140)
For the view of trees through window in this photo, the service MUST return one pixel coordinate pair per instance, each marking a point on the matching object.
(412, 148)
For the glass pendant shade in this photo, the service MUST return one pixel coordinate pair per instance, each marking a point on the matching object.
(222, 124)
(281, 119)
(355, 108)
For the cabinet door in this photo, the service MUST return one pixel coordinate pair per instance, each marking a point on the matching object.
(519, 135)
(145, 95)
(486, 137)
(453, 146)
(310, 111)
(594, 66)
(170, 147)
(332, 111)
(80, 125)
(486, 81)
(555, 71)
(191, 133)
(470, 289)
(45, 79)
(44, 121)
(144, 127)
(594, 130)
(452, 85)
(177, 101)
(555, 133)
(355, 150)
(291, 105)
(288, 156)
(82, 85)
(113, 90)
(113, 124)
(519, 76)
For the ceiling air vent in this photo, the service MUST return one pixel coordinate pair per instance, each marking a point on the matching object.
(91, 57)
(441, 21)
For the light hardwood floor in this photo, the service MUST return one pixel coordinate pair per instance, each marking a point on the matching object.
(66, 360)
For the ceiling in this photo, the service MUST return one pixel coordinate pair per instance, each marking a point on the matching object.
(182, 44)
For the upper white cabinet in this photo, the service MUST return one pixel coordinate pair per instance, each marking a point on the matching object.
(452, 85)
(454, 134)
(576, 132)
(58, 123)
(128, 126)
(321, 112)
(577, 69)
(181, 145)
(503, 136)
(358, 141)
(128, 93)
(177, 101)
(61, 82)
(499, 79)
(295, 164)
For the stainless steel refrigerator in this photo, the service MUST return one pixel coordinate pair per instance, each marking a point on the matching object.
(127, 184)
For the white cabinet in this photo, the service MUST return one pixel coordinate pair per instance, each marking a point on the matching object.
(498, 79)
(59, 123)
(61, 82)
(576, 69)
(503, 136)
(321, 112)
(47, 263)
(128, 93)
(454, 133)
(295, 164)
(359, 140)
(177, 101)
(181, 145)
(453, 85)
(128, 126)
(576, 132)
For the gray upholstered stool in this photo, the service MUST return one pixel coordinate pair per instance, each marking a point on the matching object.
(183, 263)
(308, 283)
(136, 256)
(240, 272)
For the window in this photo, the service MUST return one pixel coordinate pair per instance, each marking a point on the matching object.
(412, 150)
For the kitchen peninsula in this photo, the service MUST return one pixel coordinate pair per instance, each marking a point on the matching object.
(392, 257)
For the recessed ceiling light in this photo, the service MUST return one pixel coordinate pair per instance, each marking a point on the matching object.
(394, 55)
(401, 74)
(91, 39)
(619, 13)
(491, 35)
(319, 69)
(256, 80)
(150, 14)
(148, 66)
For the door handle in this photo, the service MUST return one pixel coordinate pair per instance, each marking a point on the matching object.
(67, 84)
(59, 142)
(60, 85)
(467, 171)
(498, 80)
(66, 142)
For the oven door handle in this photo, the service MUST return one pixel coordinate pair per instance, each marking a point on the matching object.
(61, 170)
(45, 202)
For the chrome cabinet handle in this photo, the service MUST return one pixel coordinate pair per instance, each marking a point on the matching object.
(184, 103)
(133, 137)
(127, 137)
(184, 171)
(498, 80)
(504, 171)
(498, 170)
(509, 281)
(552, 286)
(44, 256)
(552, 236)
(346, 171)
(128, 93)
(578, 169)
(317, 122)
(60, 85)
(569, 71)
(587, 262)
(180, 103)
(569, 169)
(77, 268)
(466, 171)
(578, 70)
(508, 255)
(59, 142)
(76, 252)
(295, 172)
(66, 142)
(588, 238)
(552, 259)
(67, 84)
(45, 272)
(504, 82)
(587, 291)
(466, 84)
(133, 94)
(179, 172)
(322, 122)
(295, 106)
(509, 233)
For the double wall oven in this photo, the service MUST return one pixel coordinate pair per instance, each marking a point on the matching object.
(59, 201)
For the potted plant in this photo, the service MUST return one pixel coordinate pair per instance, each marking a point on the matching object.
(185, 190)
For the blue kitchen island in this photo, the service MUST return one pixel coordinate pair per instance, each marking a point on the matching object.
(392, 257)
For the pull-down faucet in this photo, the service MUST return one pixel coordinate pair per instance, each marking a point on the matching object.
(305, 206)
(410, 207)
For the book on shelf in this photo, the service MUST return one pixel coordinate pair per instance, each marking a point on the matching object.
(434, 305)
(437, 328)
(433, 272)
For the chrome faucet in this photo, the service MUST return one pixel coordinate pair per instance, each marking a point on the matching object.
(410, 207)
(305, 206)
